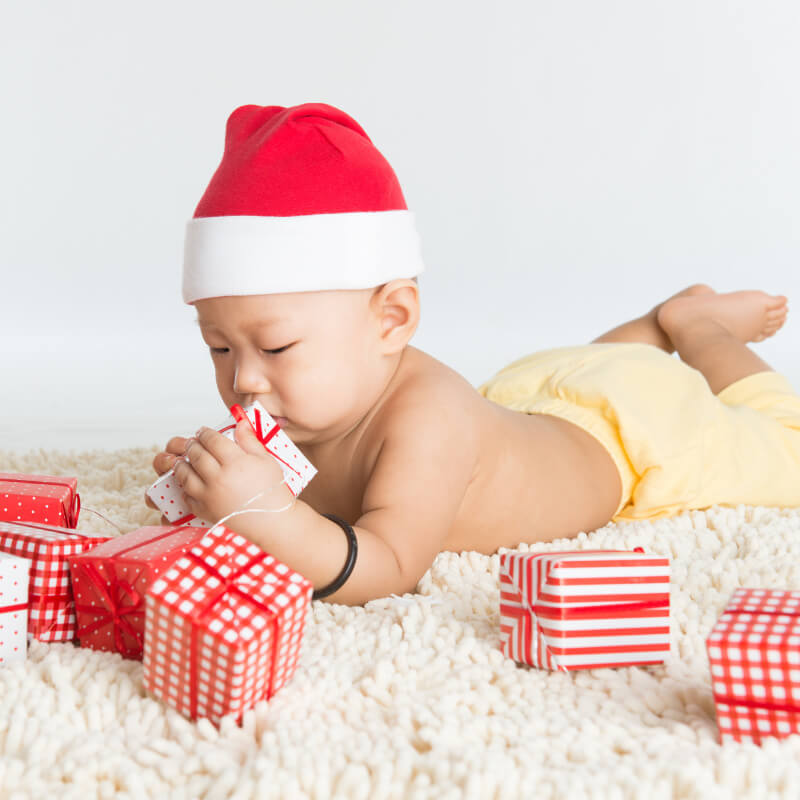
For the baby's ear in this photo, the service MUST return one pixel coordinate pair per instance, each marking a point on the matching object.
(396, 306)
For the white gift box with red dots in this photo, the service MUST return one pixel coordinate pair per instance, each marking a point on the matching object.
(223, 627)
(51, 611)
(297, 469)
(754, 655)
(43, 499)
(13, 608)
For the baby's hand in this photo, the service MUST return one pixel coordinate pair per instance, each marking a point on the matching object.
(165, 461)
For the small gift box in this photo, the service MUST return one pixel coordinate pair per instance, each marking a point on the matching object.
(13, 608)
(754, 654)
(109, 583)
(223, 627)
(584, 608)
(43, 499)
(297, 470)
(51, 613)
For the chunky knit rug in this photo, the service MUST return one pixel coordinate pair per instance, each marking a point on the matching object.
(409, 697)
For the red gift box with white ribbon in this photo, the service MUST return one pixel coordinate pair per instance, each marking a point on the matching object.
(754, 655)
(13, 608)
(583, 609)
(43, 499)
(223, 627)
(51, 612)
(109, 583)
(297, 469)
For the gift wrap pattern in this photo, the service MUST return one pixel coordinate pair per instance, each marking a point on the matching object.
(13, 608)
(51, 612)
(754, 655)
(584, 609)
(109, 583)
(43, 499)
(223, 627)
(297, 470)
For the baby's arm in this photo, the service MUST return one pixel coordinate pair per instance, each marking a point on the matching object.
(410, 503)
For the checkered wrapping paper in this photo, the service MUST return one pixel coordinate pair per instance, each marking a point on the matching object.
(754, 655)
(584, 609)
(51, 612)
(13, 608)
(43, 499)
(223, 627)
(109, 583)
(297, 469)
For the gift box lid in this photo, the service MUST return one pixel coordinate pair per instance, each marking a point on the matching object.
(145, 544)
(63, 490)
(578, 578)
(32, 540)
(230, 586)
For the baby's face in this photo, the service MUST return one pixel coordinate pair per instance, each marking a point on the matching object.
(310, 358)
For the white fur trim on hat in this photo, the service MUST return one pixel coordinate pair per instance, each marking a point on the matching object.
(240, 255)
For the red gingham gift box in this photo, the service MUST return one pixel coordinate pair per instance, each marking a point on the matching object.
(43, 499)
(109, 583)
(223, 627)
(583, 609)
(51, 614)
(297, 469)
(754, 654)
(13, 608)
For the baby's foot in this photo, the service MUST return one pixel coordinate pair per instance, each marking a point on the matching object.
(750, 316)
(657, 335)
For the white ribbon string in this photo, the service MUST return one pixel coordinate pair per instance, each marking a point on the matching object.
(244, 510)
(92, 511)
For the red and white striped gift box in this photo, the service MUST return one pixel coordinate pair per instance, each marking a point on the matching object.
(584, 608)
(754, 655)
(297, 469)
(51, 611)
(43, 499)
(223, 627)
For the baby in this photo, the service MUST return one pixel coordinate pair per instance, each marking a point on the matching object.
(301, 262)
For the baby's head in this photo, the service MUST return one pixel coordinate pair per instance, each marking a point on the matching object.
(301, 261)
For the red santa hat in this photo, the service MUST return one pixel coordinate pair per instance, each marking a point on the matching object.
(301, 201)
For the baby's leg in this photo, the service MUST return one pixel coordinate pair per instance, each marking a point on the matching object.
(646, 329)
(709, 332)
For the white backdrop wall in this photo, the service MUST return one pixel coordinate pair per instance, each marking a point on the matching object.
(569, 165)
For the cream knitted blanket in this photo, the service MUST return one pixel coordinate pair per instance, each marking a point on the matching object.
(409, 697)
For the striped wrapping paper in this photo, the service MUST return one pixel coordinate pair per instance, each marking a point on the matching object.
(754, 655)
(584, 609)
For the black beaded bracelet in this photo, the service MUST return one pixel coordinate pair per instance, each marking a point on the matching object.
(352, 552)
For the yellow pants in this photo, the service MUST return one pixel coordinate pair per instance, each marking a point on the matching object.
(677, 445)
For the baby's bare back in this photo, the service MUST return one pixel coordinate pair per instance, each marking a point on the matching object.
(513, 478)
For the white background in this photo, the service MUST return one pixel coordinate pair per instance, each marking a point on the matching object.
(569, 165)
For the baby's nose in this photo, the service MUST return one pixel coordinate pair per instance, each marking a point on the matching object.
(249, 380)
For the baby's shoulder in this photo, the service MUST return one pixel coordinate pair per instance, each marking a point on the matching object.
(432, 396)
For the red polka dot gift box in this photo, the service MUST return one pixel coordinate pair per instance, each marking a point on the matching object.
(13, 608)
(223, 627)
(51, 610)
(583, 609)
(44, 499)
(109, 583)
(754, 655)
(297, 470)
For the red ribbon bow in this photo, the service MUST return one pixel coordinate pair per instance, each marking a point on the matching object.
(115, 612)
